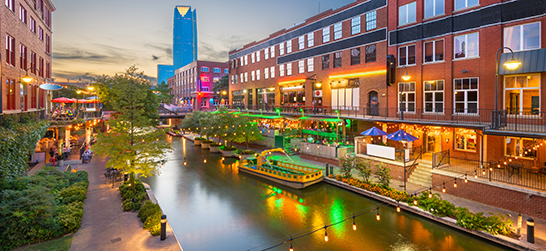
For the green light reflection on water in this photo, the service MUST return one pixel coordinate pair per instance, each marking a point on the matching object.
(337, 212)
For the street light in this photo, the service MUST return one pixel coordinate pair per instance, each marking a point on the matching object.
(510, 65)
(405, 77)
(27, 79)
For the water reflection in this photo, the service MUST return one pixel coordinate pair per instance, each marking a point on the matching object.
(214, 207)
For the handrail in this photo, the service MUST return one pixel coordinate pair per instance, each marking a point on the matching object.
(414, 162)
(443, 153)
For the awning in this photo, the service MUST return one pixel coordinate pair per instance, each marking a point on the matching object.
(531, 62)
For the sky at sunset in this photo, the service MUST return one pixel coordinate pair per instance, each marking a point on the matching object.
(107, 36)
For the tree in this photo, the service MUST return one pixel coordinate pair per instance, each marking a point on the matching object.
(164, 95)
(221, 85)
(133, 144)
(246, 131)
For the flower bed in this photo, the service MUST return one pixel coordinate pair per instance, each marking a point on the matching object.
(388, 192)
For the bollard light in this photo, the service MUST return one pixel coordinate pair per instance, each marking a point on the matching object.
(530, 230)
(163, 227)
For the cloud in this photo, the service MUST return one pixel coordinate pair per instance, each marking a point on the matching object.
(154, 57)
(210, 53)
(166, 49)
(104, 54)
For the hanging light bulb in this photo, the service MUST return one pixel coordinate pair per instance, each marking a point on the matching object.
(398, 207)
(483, 172)
(430, 193)
(465, 179)
(205, 159)
(354, 223)
(377, 216)
(476, 174)
(415, 201)
(444, 188)
(223, 158)
(291, 248)
(185, 162)
(325, 234)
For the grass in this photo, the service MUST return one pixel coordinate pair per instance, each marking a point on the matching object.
(60, 244)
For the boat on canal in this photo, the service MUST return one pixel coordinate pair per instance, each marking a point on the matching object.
(282, 172)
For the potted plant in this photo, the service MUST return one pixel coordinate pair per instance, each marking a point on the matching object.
(229, 151)
(246, 153)
(205, 144)
(215, 147)
(197, 141)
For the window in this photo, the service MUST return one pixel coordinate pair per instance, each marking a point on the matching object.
(371, 20)
(22, 14)
(406, 55)
(272, 51)
(466, 46)
(232, 79)
(520, 147)
(522, 94)
(242, 78)
(258, 56)
(326, 35)
(272, 70)
(301, 42)
(406, 14)
(310, 39)
(355, 56)
(406, 97)
(466, 95)
(23, 57)
(325, 62)
(434, 51)
(281, 70)
(337, 31)
(434, 7)
(288, 46)
(10, 87)
(48, 44)
(40, 33)
(301, 66)
(266, 73)
(11, 5)
(246, 77)
(32, 25)
(337, 59)
(370, 53)
(434, 96)
(204, 69)
(252, 58)
(288, 69)
(522, 37)
(465, 140)
(355, 25)
(257, 74)
(310, 65)
(216, 70)
(266, 53)
(205, 88)
(253, 77)
(246, 59)
(226, 71)
(281, 48)
(10, 50)
(459, 4)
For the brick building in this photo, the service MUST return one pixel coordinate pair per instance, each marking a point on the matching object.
(192, 84)
(26, 36)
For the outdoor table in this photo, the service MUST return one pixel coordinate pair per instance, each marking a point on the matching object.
(514, 168)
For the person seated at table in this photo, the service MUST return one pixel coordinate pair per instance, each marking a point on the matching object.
(69, 113)
(55, 113)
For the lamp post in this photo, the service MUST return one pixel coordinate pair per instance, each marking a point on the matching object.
(510, 65)
(405, 77)
(27, 79)
(404, 161)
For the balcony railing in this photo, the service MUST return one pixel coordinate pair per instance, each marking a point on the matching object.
(521, 121)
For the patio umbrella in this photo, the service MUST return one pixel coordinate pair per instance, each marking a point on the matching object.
(63, 100)
(373, 132)
(401, 135)
(51, 87)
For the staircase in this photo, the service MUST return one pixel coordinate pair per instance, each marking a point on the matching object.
(289, 151)
(422, 175)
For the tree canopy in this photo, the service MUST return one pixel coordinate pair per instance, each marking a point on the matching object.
(222, 84)
(164, 93)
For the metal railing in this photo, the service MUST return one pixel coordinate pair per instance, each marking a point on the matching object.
(514, 174)
(519, 121)
(443, 158)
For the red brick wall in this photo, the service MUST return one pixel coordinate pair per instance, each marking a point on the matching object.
(534, 205)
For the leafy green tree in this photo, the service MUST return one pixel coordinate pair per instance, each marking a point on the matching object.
(193, 122)
(133, 144)
(221, 85)
(164, 95)
(246, 131)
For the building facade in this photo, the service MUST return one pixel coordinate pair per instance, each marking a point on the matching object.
(192, 85)
(164, 72)
(26, 38)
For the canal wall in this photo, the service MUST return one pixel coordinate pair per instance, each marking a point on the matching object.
(518, 199)
(501, 240)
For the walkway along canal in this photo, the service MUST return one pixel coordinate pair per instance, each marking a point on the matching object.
(211, 206)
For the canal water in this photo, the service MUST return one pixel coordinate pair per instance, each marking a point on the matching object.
(211, 206)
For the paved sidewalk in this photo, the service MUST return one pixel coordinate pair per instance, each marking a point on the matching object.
(106, 226)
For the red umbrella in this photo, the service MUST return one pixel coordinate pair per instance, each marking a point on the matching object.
(63, 100)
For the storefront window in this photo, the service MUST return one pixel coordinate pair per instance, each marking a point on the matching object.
(465, 139)
(293, 98)
(238, 98)
(522, 94)
(520, 147)
(265, 97)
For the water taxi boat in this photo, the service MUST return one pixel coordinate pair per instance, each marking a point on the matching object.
(282, 172)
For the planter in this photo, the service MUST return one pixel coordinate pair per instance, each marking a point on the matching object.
(215, 149)
(205, 145)
(197, 142)
(244, 156)
(229, 153)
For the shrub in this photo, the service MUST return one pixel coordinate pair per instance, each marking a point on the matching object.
(383, 173)
(70, 216)
(132, 199)
(147, 209)
(229, 148)
(436, 205)
(347, 164)
(199, 138)
(499, 224)
(247, 152)
(215, 144)
(153, 220)
(363, 167)
(76, 192)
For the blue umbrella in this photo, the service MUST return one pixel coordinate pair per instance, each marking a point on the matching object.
(373, 132)
(401, 135)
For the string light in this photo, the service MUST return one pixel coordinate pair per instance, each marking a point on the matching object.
(185, 162)
(291, 248)
(354, 223)
(398, 206)
(483, 172)
(465, 179)
(205, 159)
(325, 234)
(415, 201)
(444, 188)
(476, 174)
(377, 216)
(455, 184)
